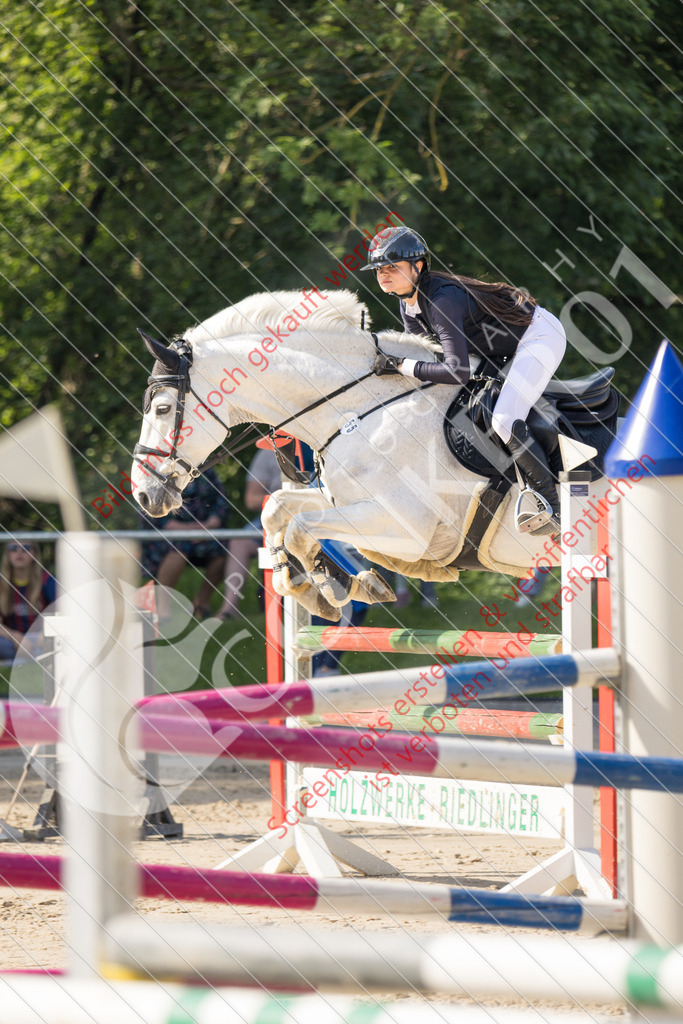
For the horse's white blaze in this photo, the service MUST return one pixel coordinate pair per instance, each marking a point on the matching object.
(396, 488)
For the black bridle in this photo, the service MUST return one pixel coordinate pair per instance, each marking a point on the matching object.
(181, 381)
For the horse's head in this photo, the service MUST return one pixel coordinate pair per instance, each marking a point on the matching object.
(179, 431)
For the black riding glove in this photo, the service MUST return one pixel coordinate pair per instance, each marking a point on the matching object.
(386, 364)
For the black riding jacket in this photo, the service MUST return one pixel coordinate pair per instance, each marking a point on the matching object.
(450, 314)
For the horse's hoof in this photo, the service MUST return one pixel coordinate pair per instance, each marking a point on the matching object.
(335, 592)
(288, 572)
(373, 588)
(316, 603)
(333, 582)
(323, 608)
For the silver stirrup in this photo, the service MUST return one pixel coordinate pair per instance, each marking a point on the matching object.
(533, 513)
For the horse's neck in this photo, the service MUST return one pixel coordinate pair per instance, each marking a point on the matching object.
(274, 387)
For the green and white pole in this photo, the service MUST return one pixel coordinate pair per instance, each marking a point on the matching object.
(28, 999)
(473, 964)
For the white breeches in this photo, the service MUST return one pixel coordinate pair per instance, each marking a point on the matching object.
(538, 355)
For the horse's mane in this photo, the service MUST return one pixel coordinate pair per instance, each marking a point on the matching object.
(340, 312)
(255, 314)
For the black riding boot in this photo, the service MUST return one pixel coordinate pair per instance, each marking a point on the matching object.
(533, 464)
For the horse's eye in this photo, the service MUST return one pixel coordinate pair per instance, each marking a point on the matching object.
(161, 410)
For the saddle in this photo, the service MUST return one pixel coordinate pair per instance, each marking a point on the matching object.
(585, 409)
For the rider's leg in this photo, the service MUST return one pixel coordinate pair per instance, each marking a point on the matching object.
(533, 463)
(538, 355)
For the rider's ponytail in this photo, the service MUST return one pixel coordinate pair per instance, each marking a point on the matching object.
(503, 301)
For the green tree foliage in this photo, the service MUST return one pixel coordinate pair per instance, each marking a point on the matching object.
(161, 160)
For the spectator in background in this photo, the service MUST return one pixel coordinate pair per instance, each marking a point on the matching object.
(428, 595)
(205, 506)
(26, 590)
(263, 477)
(536, 580)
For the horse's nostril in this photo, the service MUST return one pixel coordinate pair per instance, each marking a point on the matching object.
(143, 500)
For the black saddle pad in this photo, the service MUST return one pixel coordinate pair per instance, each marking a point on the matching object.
(468, 433)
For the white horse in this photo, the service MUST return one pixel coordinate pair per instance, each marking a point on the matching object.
(389, 484)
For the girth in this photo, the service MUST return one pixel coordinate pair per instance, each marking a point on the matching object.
(490, 500)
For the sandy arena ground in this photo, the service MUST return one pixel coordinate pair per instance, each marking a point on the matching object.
(224, 810)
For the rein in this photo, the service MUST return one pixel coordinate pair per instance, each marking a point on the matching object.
(380, 405)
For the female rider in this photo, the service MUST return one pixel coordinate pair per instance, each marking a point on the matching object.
(470, 317)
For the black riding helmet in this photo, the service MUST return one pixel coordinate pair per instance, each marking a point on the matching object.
(392, 245)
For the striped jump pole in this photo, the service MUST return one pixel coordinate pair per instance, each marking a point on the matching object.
(528, 967)
(446, 644)
(342, 895)
(27, 724)
(26, 1000)
(488, 761)
(402, 688)
(520, 725)
(421, 754)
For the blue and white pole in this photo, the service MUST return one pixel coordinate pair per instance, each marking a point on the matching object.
(645, 464)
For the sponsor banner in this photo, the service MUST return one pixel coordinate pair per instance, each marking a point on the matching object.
(467, 806)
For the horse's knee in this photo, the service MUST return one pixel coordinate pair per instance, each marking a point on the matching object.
(274, 516)
(301, 542)
(282, 506)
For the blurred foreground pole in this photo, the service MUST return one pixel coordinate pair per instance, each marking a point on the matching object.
(101, 778)
(645, 465)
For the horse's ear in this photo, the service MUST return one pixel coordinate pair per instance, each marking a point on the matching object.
(159, 350)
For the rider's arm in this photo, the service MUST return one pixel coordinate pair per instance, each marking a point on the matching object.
(447, 311)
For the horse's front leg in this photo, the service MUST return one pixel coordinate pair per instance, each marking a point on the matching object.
(295, 521)
(291, 578)
(283, 505)
(365, 524)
